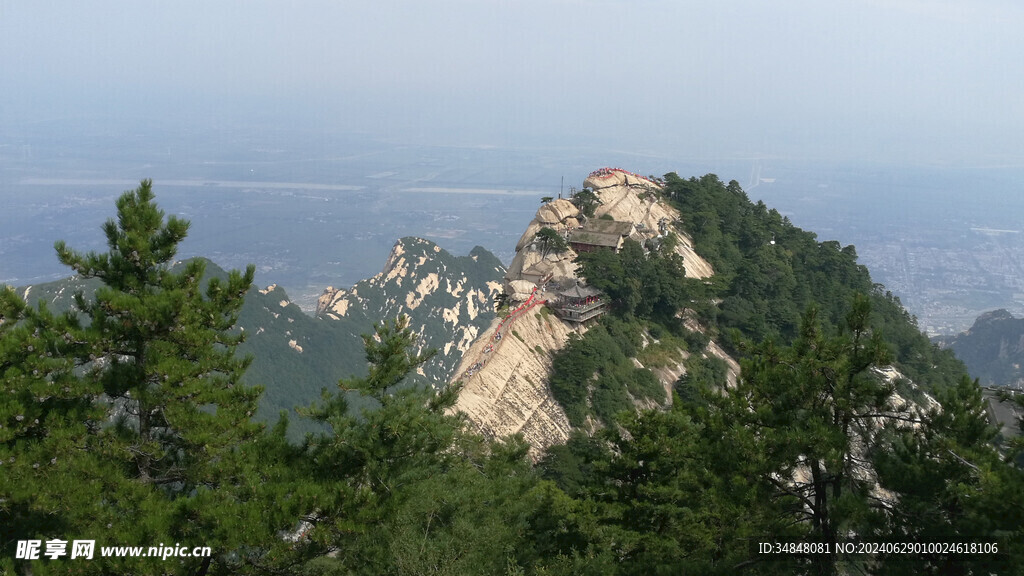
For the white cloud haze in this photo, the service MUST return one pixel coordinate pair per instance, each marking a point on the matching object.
(911, 80)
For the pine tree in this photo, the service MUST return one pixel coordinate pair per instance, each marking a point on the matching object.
(367, 457)
(586, 201)
(550, 242)
(45, 411)
(814, 409)
(171, 458)
(953, 487)
(400, 487)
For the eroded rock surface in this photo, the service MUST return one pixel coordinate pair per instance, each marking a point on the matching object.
(448, 299)
(505, 381)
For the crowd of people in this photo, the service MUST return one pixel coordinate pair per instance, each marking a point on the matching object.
(608, 171)
(583, 302)
(530, 303)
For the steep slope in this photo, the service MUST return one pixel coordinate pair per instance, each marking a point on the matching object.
(628, 197)
(294, 356)
(505, 379)
(506, 369)
(448, 299)
(992, 349)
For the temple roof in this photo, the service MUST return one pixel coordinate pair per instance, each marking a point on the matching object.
(540, 268)
(577, 291)
(595, 238)
(608, 227)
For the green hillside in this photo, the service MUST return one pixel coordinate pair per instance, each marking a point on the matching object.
(295, 356)
(848, 444)
(769, 272)
(993, 349)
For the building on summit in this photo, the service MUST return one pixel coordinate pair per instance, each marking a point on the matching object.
(578, 303)
(598, 234)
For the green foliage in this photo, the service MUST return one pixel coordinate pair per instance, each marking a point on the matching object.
(400, 488)
(647, 285)
(767, 272)
(953, 487)
(604, 271)
(168, 346)
(815, 408)
(290, 378)
(695, 341)
(594, 375)
(661, 497)
(703, 375)
(45, 411)
(626, 333)
(501, 301)
(150, 406)
(586, 201)
(572, 373)
(667, 351)
(550, 241)
(571, 465)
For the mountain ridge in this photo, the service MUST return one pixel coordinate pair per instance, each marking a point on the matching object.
(296, 355)
(992, 348)
(505, 372)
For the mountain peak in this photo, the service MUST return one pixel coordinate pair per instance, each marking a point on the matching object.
(409, 245)
(448, 298)
(990, 317)
(506, 369)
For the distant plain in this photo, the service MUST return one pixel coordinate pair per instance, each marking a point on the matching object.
(312, 209)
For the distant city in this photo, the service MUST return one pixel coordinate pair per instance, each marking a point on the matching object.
(947, 241)
(325, 211)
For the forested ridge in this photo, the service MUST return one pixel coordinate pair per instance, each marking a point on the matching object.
(125, 421)
(992, 348)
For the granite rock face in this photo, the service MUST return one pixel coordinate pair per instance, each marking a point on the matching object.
(625, 197)
(448, 299)
(505, 377)
(507, 393)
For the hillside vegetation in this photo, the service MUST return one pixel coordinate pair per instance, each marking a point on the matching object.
(993, 349)
(769, 272)
(125, 420)
(295, 356)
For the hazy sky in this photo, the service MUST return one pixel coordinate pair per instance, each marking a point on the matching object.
(902, 80)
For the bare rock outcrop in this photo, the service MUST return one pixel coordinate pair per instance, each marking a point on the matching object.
(505, 388)
(630, 198)
(449, 300)
(555, 212)
(508, 392)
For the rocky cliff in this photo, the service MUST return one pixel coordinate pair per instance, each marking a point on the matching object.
(505, 370)
(993, 349)
(629, 197)
(449, 299)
